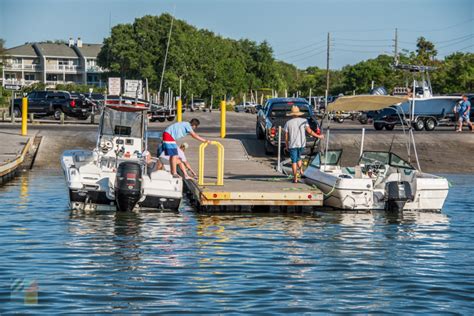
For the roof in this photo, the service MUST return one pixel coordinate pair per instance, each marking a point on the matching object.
(57, 50)
(90, 50)
(22, 50)
(364, 102)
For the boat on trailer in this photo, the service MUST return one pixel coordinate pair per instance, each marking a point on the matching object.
(381, 180)
(115, 175)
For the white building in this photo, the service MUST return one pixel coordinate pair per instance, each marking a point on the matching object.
(51, 63)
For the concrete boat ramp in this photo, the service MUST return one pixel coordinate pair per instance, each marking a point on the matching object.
(247, 181)
(13, 152)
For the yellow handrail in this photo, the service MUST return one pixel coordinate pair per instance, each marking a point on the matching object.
(220, 163)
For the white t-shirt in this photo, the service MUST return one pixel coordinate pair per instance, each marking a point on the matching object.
(180, 155)
(296, 128)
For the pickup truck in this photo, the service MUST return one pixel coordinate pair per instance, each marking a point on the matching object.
(46, 103)
(274, 114)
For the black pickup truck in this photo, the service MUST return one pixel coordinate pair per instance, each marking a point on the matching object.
(274, 114)
(46, 103)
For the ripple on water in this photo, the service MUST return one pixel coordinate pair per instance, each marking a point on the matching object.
(216, 263)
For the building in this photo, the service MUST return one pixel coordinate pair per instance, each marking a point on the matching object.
(53, 63)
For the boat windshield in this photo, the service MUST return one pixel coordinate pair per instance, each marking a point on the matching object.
(119, 123)
(334, 156)
(383, 158)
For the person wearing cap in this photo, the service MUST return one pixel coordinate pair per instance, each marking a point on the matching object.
(295, 139)
(173, 133)
(182, 162)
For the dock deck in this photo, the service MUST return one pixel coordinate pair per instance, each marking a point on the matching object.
(246, 181)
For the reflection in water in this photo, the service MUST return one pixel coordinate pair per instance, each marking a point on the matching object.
(249, 263)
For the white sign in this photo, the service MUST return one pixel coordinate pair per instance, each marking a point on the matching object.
(133, 89)
(12, 87)
(114, 86)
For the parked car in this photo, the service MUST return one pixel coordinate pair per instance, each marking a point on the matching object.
(247, 107)
(46, 103)
(274, 114)
(197, 104)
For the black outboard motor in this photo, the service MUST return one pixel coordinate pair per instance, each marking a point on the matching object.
(128, 185)
(397, 194)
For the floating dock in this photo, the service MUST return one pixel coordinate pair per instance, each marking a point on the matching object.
(246, 181)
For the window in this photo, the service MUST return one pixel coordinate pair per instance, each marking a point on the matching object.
(51, 77)
(30, 77)
(281, 109)
(41, 94)
(396, 161)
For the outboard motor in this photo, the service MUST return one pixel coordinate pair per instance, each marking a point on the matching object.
(397, 194)
(128, 185)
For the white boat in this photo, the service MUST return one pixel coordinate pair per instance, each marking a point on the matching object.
(380, 180)
(114, 175)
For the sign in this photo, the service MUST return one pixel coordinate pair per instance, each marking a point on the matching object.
(12, 87)
(133, 89)
(114, 86)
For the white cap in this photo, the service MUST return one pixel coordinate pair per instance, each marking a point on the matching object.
(185, 145)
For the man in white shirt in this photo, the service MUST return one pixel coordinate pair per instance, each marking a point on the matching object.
(182, 161)
(295, 139)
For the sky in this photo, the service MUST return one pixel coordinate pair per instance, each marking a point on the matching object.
(296, 29)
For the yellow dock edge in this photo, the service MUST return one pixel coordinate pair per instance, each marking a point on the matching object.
(216, 198)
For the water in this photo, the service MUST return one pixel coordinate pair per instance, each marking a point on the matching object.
(54, 260)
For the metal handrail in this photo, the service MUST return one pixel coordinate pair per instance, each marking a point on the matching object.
(220, 163)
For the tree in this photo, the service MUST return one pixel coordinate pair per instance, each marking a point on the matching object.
(425, 51)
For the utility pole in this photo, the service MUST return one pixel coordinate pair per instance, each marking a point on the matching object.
(327, 64)
(396, 47)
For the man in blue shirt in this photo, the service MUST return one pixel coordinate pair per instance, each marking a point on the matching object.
(174, 132)
(464, 113)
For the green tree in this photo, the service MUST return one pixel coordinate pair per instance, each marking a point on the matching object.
(425, 51)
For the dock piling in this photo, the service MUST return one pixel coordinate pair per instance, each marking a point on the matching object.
(24, 116)
(223, 118)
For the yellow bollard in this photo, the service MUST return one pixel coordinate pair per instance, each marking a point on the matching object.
(179, 110)
(223, 110)
(24, 116)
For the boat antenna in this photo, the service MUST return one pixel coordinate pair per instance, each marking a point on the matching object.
(166, 57)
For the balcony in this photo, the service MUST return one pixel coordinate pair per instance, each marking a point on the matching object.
(62, 68)
(20, 67)
(21, 82)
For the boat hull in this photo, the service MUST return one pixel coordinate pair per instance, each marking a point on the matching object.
(430, 192)
(85, 200)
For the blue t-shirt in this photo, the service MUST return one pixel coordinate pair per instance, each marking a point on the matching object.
(464, 106)
(179, 130)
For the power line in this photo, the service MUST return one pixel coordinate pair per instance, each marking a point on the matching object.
(438, 30)
(304, 52)
(360, 45)
(357, 51)
(363, 40)
(452, 44)
(454, 39)
(309, 56)
(297, 49)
